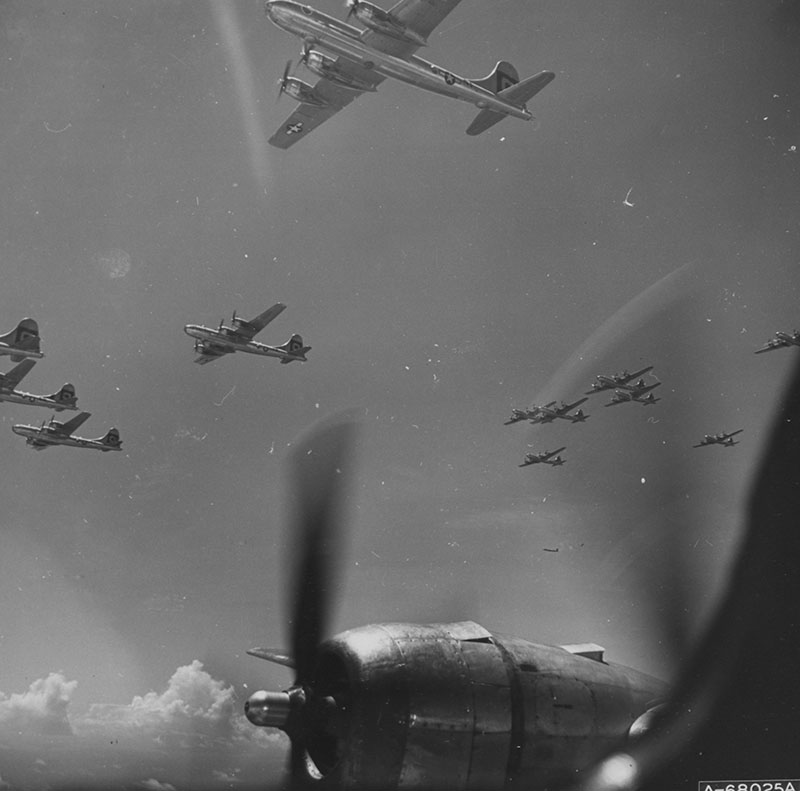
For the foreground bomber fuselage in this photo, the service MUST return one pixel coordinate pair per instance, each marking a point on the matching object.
(453, 706)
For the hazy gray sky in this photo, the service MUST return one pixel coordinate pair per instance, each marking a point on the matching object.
(440, 280)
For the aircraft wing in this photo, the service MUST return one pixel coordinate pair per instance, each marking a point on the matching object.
(210, 353)
(10, 380)
(254, 326)
(72, 425)
(623, 380)
(569, 407)
(421, 16)
(732, 434)
(771, 346)
(549, 454)
(307, 117)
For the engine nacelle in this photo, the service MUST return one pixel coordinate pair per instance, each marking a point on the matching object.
(325, 66)
(381, 21)
(303, 92)
(453, 706)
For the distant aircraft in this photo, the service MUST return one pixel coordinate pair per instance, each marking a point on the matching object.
(213, 343)
(719, 439)
(63, 399)
(549, 412)
(526, 414)
(55, 433)
(641, 395)
(780, 341)
(544, 458)
(350, 61)
(605, 382)
(22, 341)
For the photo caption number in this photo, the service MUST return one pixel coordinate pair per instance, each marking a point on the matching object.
(749, 785)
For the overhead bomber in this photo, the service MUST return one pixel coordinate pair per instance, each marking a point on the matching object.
(350, 61)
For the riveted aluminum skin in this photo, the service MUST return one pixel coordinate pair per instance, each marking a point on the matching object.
(456, 708)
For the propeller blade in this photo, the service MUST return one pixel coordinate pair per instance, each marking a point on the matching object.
(318, 472)
(351, 8)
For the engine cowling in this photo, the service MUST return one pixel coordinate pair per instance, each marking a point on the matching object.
(453, 706)
(381, 21)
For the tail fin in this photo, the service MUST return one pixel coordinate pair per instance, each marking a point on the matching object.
(579, 417)
(65, 397)
(517, 93)
(502, 76)
(112, 440)
(24, 336)
(294, 347)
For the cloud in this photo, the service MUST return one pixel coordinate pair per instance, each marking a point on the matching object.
(193, 701)
(42, 709)
(155, 785)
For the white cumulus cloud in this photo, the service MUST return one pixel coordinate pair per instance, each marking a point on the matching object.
(42, 709)
(193, 701)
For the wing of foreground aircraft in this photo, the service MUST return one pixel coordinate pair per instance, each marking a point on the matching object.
(420, 17)
(306, 118)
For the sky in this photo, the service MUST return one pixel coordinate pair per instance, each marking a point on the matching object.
(647, 216)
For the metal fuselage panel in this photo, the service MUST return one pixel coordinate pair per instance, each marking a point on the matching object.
(345, 40)
(454, 707)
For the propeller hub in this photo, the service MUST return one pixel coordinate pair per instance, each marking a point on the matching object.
(269, 709)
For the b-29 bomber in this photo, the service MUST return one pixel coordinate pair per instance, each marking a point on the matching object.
(238, 337)
(63, 399)
(350, 61)
(642, 394)
(620, 380)
(56, 433)
(544, 458)
(726, 440)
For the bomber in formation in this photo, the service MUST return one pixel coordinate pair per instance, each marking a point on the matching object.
(56, 433)
(350, 61)
(212, 343)
(23, 344)
(548, 457)
(726, 440)
(62, 399)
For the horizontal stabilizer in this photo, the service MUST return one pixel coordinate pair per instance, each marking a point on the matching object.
(517, 94)
(277, 657)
